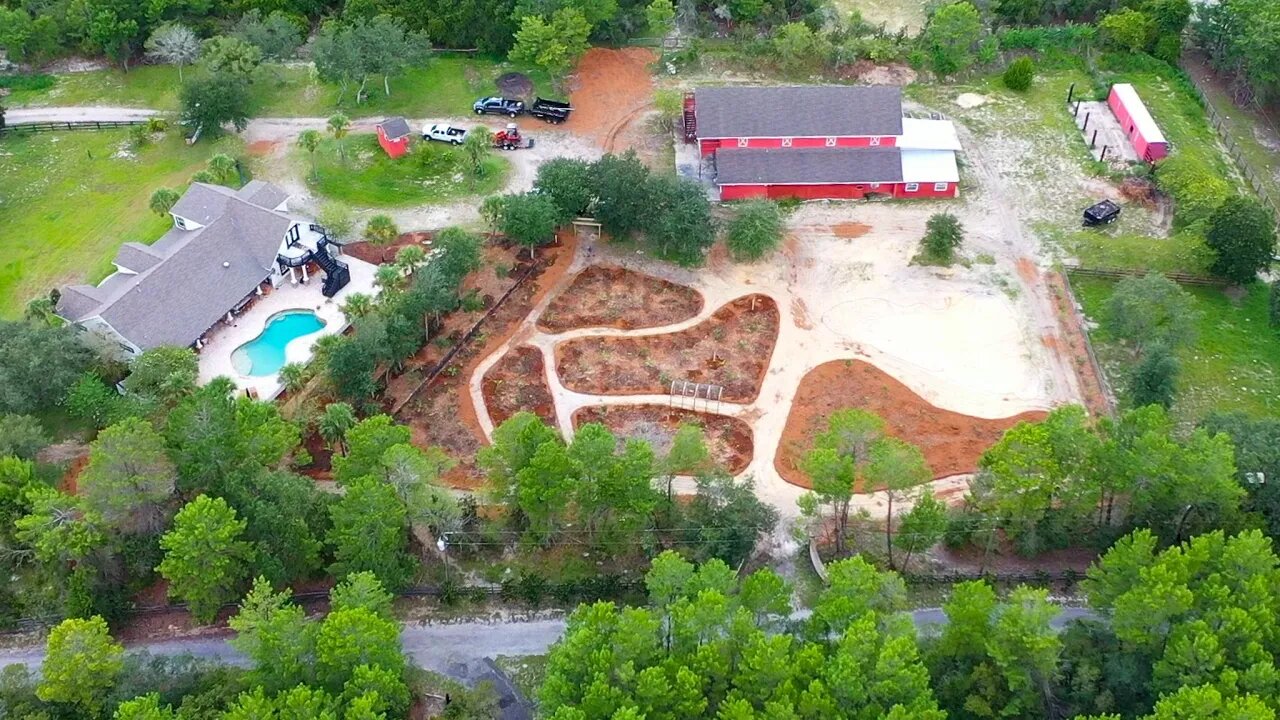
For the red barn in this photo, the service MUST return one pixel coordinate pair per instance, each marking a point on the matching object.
(815, 142)
(1137, 123)
(393, 136)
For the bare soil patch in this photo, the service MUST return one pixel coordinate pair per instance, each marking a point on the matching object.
(729, 439)
(518, 382)
(850, 230)
(380, 254)
(1074, 345)
(611, 89)
(442, 414)
(514, 84)
(951, 442)
(615, 297)
(731, 348)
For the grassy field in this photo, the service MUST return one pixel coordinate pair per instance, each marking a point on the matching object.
(69, 200)
(367, 177)
(442, 86)
(1234, 364)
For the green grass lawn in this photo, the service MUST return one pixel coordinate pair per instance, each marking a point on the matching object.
(441, 86)
(69, 200)
(1234, 364)
(367, 177)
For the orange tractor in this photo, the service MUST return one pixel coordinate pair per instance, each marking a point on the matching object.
(510, 138)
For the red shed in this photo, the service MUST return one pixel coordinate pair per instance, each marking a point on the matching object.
(393, 136)
(1137, 123)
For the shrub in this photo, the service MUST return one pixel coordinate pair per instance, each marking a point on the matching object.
(381, 230)
(1273, 305)
(943, 234)
(1019, 74)
(1242, 233)
(755, 231)
(1154, 381)
(1196, 189)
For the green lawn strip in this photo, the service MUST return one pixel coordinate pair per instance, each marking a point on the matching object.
(1110, 247)
(443, 85)
(147, 86)
(368, 177)
(1242, 126)
(70, 200)
(1232, 365)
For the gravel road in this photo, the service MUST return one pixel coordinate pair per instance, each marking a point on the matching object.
(457, 650)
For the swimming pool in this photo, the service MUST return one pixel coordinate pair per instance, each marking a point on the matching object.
(264, 355)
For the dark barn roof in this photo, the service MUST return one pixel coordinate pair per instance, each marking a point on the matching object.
(808, 166)
(395, 128)
(799, 111)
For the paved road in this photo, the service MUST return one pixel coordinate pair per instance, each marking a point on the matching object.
(457, 650)
(18, 116)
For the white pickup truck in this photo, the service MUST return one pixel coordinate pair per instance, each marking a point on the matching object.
(443, 132)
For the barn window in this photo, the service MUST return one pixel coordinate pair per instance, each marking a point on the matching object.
(786, 142)
(912, 187)
(940, 187)
(875, 185)
(831, 142)
(875, 141)
(742, 142)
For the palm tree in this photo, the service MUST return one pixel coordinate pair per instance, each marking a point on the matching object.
(294, 375)
(478, 146)
(223, 167)
(388, 277)
(163, 200)
(339, 125)
(410, 257)
(309, 140)
(381, 230)
(357, 305)
(335, 421)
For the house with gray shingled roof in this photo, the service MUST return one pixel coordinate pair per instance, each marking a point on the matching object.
(225, 247)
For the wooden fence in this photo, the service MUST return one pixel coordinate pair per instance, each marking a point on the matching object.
(1122, 273)
(63, 126)
(1251, 174)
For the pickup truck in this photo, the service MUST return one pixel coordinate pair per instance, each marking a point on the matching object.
(498, 106)
(552, 111)
(444, 132)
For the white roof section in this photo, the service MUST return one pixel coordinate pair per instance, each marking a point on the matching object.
(1138, 112)
(926, 134)
(929, 166)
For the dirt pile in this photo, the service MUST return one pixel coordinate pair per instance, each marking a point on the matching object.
(951, 442)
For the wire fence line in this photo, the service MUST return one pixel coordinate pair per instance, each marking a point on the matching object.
(1252, 175)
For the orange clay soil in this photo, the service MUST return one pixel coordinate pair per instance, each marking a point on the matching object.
(729, 439)
(442, 413)
(731, 348)
(611, 88)
(951, 442)
(615, 297)
(1074, 343)
(517, 382)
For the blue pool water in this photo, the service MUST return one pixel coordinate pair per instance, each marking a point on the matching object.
(264, 355)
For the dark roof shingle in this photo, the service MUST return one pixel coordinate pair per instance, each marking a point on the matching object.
(799, 111)
(395, 127)
(807, 166)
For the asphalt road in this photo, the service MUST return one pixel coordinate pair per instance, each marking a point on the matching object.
(457, 650)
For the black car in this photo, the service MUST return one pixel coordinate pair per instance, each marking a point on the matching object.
(1101, 213)
(498, 106)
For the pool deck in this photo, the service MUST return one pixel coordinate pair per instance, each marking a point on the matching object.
(215, 356)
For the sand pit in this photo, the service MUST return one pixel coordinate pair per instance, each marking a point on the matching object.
(731, 348)
(613, 297)
(612, 89)
(969, 101)
(729, 439)
(951, 442)
(518, 382)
